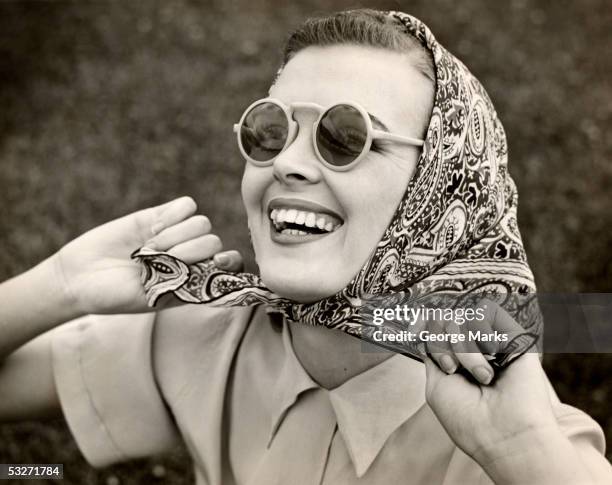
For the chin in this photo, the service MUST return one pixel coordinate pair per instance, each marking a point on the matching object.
(295, 285)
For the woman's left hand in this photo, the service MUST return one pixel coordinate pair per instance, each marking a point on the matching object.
(507, 425)
(482, 418)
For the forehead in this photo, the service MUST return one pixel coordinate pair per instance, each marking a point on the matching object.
(384, 82)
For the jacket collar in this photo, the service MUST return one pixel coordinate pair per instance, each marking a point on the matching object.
(369, 407)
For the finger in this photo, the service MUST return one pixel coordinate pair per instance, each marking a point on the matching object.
(503, 322)
(191, 228)
(440, 351)
(483, 329)
(146, 223)
(446, 360)
(467, 352)
(197, 249)
(159, 209)
(172, 213)
(229, 261)
(476, 364)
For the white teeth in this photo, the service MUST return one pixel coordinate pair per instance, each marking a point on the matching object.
(293, 232)
(302, 218)
(291, 215)
(310, 219)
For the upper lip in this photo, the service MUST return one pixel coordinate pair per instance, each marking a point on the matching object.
(301, 204)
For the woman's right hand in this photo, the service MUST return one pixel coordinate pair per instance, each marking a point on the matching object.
(98, 275)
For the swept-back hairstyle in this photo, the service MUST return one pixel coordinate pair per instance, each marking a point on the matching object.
(365, 27)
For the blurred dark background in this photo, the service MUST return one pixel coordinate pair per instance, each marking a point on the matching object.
(107, 107)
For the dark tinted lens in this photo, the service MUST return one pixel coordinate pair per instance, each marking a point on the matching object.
(264, 132)
(341, 135)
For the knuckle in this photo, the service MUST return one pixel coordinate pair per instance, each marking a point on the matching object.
(142, 220)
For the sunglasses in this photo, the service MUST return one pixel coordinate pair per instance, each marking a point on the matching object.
(342, 134)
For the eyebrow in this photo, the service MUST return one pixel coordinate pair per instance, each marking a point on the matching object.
(376, 123)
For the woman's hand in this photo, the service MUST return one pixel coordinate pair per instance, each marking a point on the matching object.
(98, 274)
(507, 424)
(482, 412)
(482, 419)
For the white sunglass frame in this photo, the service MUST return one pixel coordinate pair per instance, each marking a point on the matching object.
(293, 126)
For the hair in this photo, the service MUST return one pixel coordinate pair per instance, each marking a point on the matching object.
(365, 27)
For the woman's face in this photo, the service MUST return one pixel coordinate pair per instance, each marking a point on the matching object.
(358, 203)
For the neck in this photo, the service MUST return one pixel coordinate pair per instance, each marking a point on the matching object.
(331, 357)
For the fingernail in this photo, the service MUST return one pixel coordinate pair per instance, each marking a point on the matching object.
(150, 244)
(157, 227)
(222, 259)
(448, 364)
(483, 374)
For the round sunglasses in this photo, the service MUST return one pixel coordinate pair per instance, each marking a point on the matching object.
(342, 134)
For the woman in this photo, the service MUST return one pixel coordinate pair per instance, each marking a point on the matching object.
(257, 396)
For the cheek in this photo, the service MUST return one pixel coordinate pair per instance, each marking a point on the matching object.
(376, 212)
(374, 198)
(255, 180)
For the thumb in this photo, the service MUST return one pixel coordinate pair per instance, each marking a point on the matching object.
(229, 261)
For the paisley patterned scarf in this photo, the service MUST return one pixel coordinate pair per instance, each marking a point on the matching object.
(455, 231)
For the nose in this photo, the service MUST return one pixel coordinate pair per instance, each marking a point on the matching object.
(298, 164)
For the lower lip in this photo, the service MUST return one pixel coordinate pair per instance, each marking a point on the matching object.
(281, 238)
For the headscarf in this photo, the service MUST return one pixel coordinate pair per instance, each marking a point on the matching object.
(454, 232)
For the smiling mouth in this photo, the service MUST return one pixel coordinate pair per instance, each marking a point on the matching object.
(295, 222)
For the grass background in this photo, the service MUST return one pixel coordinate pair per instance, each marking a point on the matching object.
(109, 106)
